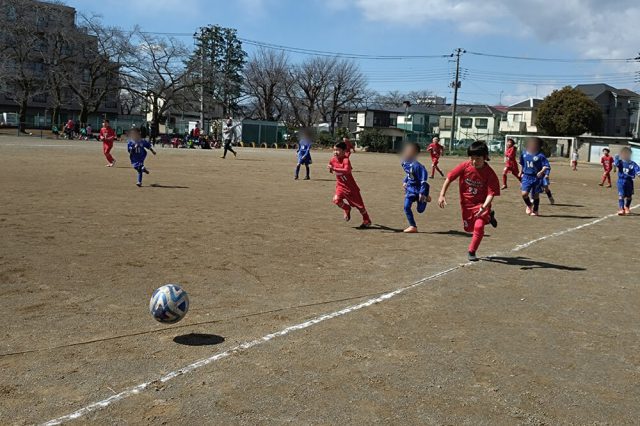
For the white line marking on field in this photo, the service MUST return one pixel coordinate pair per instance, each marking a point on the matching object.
(264, 339)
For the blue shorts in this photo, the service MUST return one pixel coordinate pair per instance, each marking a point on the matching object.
(306, 160)
(625, 188)
(531, 184)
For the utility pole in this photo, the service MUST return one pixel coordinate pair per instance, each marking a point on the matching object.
(456, 85)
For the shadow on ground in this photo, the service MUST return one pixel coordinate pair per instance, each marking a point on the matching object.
(526, 264)
(197, 339)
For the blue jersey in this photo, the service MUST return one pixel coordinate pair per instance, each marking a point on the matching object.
(138, 151)
(532, 164)
(627, 170)
(304, 152)
(416, 178)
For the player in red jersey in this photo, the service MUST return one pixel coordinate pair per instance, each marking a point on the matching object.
(107, 136)
(435, 149)
(478, 186)
(347, 191)
(607, 163)
(510, 162)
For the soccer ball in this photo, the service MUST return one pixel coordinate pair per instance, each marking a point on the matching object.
(169, 304)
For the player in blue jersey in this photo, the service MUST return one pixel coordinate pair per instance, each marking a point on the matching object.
(304, 154)
(627, 171)
(535, 167)
(415, 184)
(137, 148)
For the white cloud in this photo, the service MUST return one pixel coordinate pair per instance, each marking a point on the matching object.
(593, 28)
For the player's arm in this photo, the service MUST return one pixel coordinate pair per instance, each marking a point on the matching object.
(424, 185)
(442, 200)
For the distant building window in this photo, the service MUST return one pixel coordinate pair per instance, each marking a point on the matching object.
(482, 123)
(466, 123)
(446, 123)
(517, 118)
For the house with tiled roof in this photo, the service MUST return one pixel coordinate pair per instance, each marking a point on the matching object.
(619, 108)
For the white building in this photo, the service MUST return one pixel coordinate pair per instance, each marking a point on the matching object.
(521, 117)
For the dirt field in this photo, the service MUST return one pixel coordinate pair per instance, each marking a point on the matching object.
(546, 333)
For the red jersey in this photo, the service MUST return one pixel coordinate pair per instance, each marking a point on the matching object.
(196, 132)
(475, 184)
(70, 124)
(107, 134)
(435, 149)
(345, 183)
(607, 162)
(511, 155)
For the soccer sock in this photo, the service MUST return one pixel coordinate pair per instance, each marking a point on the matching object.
(297, 170)
(433, 171)
(621, 203)
(308, 171)
(408, 211)
(439, 171)
(504, 179)
(549, 194)
(527, 201)
(536, 204)
(365, 214)
(628, 202)
(478, 234)
(139, 169)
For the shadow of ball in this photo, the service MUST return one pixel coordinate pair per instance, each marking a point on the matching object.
(197, 339)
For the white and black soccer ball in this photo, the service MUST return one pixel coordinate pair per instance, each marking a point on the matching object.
(169, 304)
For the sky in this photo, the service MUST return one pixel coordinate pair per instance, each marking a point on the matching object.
(577, 30)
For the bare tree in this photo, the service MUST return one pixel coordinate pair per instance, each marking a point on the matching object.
(265, 80)
(22, 73)
(158, 70)
(346, 87)
(305, 86)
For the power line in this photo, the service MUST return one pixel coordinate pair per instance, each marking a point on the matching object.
(531, 58)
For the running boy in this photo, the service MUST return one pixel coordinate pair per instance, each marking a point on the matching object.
(435, 149)
(304, 155)
(107, 135)
(346, 187)
(479, 185)
(415, 184)
(137, 148)
(607, 163)
(510, 162)
(534, 168)
(627, 171)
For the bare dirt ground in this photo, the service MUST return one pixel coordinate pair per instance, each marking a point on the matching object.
(548, 334)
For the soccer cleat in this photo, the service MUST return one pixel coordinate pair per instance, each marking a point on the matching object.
(347, 214)
(138, 184)
(145, 171)
(472, 256)
(492, 220)
(307, 178)
(366, 224)
(627, 210)
(608, 186)
(295, 178)
(534, 214)
(411, 230)
(504, 187)
(622, 212)
(601, 184)
(528, 210)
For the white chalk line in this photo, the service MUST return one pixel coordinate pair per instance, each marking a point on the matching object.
(264, 339)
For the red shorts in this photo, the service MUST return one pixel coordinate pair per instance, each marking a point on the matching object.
(352, 197)
(435, 160)
(469, 216)
(512, 168)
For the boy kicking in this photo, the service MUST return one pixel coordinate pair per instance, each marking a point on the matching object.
(479, 185)
(137, 148)
(347, 192)
(535, 167)
(627, 171)
(415, 184)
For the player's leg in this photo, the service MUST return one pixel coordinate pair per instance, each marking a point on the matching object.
(536, 203)
(339, 201)
(547, 191)
(608, 179)
(355, 200)
(106, 150)
(308, 176)
(408, 211)
(139, 168)
(437, 167)
(505, 172)
(476, 239)
(297, 174)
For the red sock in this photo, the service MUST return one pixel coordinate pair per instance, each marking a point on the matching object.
(365, 215)
(478, 234)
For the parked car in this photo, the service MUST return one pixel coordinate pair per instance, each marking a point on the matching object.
(9, 119)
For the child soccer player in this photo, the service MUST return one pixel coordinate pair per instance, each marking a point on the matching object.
(346, 187)
(137, 148)
(627, 171)
(607, 163)
(304, 155)
(435, 149)
(510, 162)
(574, 160)
(415, 184)
(107, 135)
(534, 168)
(479, 185)
(350, 147)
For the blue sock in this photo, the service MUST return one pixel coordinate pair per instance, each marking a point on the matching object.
(628, 203)
(297, 170)
(139, 169)
(408, 203)
(307, 167)
(621, 203)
